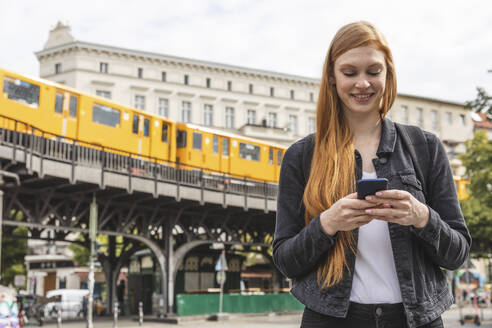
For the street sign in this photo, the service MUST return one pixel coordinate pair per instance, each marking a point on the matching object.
(221, 277)
(221, 263)
(19, 280)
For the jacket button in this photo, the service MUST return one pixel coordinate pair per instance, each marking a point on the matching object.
(383, 160)
(379, 311)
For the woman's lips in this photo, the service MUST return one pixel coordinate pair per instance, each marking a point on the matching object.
(362, 98)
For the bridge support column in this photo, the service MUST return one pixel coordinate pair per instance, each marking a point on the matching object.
(111, 273)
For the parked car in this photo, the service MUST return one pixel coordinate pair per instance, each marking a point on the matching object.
(68, 300)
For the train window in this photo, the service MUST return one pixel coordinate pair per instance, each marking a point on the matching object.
(279, 157)
(73, 106)
(135, 124)
(270, 156)
(197, 140)
(59, 103)
(164, 133)
(225, 147)
(181, 139)
(215, 145)
(146, 127)
(21, 91)
(249, 152)
(105, 115)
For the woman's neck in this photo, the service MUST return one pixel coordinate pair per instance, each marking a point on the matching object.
(365, 127)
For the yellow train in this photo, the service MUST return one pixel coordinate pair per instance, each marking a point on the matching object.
(71, 114)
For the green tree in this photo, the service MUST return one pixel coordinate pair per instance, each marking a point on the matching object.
(482, 103)
(477, 209)
(14, 249)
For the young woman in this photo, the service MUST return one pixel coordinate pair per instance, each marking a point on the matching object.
(374, 262)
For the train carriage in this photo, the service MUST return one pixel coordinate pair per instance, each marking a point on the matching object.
(224, 153)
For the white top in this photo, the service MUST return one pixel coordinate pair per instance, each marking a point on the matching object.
(375, 279)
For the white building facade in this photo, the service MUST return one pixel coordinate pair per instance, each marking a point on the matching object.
(256, 103)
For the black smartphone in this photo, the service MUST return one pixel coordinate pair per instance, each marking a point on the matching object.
(366, 187)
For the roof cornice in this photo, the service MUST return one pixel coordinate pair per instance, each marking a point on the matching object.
(179, 60)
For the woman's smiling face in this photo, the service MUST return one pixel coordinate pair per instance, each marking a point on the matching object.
(360, 77)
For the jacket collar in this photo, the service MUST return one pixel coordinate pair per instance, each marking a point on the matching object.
(388, 138)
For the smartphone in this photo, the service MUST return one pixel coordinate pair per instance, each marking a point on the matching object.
(368, 187)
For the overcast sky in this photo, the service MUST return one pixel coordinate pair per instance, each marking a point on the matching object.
(442, 48)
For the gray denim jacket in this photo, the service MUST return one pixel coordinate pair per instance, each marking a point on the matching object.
(418, 253)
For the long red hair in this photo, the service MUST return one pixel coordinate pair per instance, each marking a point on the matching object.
(332, 173)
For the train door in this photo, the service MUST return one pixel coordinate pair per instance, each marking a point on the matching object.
(213, 160)
(279, 163)
(66, 108)
(195, 152)
(162, 141)
(141, 128)
(271, 163)
(225, 158)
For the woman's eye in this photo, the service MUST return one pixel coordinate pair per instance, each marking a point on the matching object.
(349, 74)
(374, 73)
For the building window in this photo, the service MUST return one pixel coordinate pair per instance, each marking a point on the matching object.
(208, 113)
(434, 120)
(186, 78)
(272, 91)
(229, 85)
(140, 102)
(463, 119)
(251, 88)
(293, 124)
(208, 82)
(163, 76)
(311, 97)
(163, 109)
(251, 117)
(420, 117)
(104, 94)
(103, 68)
(58, 68)
(229, 116)
(272, 120)
(311, 125)
(292, 94)
(186, 112)
(449, 118)
(140, 73)
(404, 114)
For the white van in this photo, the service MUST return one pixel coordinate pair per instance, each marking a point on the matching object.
(68, 300)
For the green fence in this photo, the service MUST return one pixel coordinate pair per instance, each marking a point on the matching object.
(193, 304)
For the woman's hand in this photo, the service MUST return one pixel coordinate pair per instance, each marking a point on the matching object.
(346, 214)
(400, 207)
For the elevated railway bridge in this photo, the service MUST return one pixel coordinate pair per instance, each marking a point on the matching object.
(166, 207)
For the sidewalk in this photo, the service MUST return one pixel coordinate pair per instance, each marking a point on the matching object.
(450, 318)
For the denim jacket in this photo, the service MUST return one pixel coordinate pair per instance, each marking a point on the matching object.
(419, 254)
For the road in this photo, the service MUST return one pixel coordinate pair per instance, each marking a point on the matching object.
(450, 317)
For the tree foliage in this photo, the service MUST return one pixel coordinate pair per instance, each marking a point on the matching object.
(477, 209)
(481, 104)
(14, 249)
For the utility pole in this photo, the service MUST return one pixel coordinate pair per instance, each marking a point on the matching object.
(92, 240)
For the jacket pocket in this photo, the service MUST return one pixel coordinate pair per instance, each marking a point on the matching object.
(412, 185)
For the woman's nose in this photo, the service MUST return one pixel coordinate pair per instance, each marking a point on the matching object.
(362, 84)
